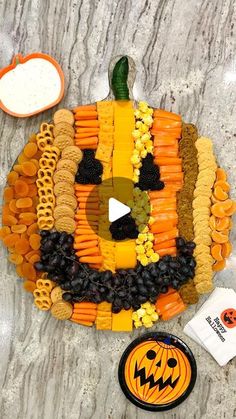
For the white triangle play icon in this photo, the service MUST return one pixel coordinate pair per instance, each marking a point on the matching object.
(117, 210)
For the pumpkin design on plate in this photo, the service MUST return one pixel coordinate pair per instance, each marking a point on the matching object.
(150, 263)
(157, 371)
(228, 317)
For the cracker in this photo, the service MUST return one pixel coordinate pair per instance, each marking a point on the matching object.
(63, 128)
(62, 141)
(63, 115)
(63, 175)
(63, 210)
(67, 164)
(72, 153)
(63, 188)
(66, 224)
(62, 310)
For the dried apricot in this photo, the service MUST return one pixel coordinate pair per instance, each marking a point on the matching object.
(220, 194)
(33, 228)
(226, 249)
(33, 191)
(22, 246)
(35, 240)
(30, 150)
(19, 228)
(11, 239)
(8, 194)
(232, 209)
(222, 224)
(30, 254)
(218, 210)
(29, 168)
(22, 158)
(24, 203)
(216, 251)
(12, 177)
(4, 231)
(35, 200)
(16, 258)
(218, 237)
(28, 180)
(212, 222)
(6, 210)
(24, 236)
(29, 286)
(36, 163)
(12, 206)
(19, 270)
(21, 188)
(34, 258)
(9, 220)
(18, 168)
(29, 271)
(221, 174)
(223, 184)
(218, 266)
(27, 218)
(33, 138)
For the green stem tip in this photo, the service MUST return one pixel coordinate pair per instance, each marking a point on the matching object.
(119, 79)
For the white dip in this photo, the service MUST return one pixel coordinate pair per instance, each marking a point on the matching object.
(30, 86)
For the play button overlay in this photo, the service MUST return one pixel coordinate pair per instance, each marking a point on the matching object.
(116, 210)
(104, 211)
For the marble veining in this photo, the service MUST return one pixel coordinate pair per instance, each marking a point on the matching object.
(185, 61)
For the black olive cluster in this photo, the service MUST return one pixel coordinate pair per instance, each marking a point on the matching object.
(149, 178)
(124, 228)
(124, 289)
(89, 170)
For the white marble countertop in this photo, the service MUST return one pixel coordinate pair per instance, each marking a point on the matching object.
(185, 59)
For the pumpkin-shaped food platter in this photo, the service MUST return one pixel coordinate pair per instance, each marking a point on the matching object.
(149, 264)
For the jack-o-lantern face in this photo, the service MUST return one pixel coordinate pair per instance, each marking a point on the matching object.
(157, 373)
(228, 317)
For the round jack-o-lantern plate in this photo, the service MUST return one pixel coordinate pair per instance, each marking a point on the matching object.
(117, 214)
(157, 371)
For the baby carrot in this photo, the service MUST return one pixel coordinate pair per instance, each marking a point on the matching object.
(168, 251)
(161, 201)
(160, 113)
(84, 135)
(87, 199)
(89, 211)
(165, 245)
(164, 124)
(170, 169)
(166, 161)
(84, 188)
(172, 312)
(84, 130)
(85, 304)
(85, 108)
(86, 114)
(90, 311)
(91, 259)
(86, 141)
(89, 123)
(87, 251)
(171, 215)
(85, 237)
(165, 151)
(85, 245)
(164, 193)
(88, 146)
(162, 226)
(85, 317)
(82, 322)
(89, 205)
(165, 141)
(168, 235)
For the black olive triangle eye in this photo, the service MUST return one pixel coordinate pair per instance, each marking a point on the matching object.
(172, 362)
(151, 354)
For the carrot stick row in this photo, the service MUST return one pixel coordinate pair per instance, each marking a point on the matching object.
(166, 129)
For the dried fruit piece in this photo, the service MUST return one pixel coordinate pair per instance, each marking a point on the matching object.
(34, 258)
(18, 168)
(19, 270)
(24, 203)
(8, 194)
(35, 240)
(15, 258)
(30, 150)
(33, 228)
(12, 206)
(29, 286)
(4, 231)
(10, 239)
(22, 158)
(21, 188)
(216, 252)
(27, 218)
(22, 246)
(9, 220)
(218, 266)
(226, 249)
(19, 228)
(12, 177)
(218, 237)
(29, 271)
(29, 168)
(33, 191)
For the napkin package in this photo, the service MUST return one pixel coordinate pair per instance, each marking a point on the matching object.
(214, 325)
